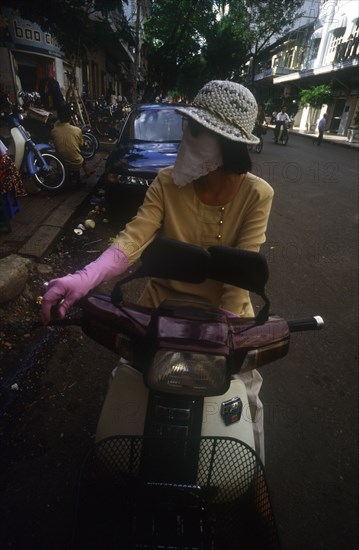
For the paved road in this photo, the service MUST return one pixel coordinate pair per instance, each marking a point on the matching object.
(310, 397)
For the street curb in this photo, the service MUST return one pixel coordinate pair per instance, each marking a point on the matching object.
(346, 144)
(44, 237)
(52, 227)
(330, 140)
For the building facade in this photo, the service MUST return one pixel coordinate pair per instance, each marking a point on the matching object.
(29, 56)
(322, 49)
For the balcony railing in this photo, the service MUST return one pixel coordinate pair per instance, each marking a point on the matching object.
(347, 50)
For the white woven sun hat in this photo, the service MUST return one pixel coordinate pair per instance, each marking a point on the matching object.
(227, 108)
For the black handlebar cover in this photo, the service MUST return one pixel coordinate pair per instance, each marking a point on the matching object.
(309, 323)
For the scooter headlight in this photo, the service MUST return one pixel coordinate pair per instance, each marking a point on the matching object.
(188, 373)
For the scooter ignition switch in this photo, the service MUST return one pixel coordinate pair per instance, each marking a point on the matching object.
(231, 410)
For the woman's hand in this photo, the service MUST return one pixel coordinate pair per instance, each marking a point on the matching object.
(64, 292)
(61, 294)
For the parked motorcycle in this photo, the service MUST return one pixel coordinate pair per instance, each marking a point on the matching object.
(39, 161)
(174, 464)
(107, 120)
(90, 144)
(39, 125)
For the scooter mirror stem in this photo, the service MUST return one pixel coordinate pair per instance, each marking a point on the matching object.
(263, 315)
(116, 294)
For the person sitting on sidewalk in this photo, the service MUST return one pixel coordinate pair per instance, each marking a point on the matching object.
(68, 140)
(321, 127)
(281, 118)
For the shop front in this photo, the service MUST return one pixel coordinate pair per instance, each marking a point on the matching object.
(31, 60)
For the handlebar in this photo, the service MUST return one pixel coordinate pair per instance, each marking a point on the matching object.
(309, 323)
(126, 330)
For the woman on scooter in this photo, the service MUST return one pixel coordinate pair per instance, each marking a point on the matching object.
(209, 197)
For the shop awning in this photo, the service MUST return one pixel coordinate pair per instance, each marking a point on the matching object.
(317, 34)
(339, 24)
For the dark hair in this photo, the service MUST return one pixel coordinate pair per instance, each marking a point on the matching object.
(235, 156)
(194, 127)
(64, 113)
(234, 153)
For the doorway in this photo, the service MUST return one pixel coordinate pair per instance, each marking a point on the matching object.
(337, 115)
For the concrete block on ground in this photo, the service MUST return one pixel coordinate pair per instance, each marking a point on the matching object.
(60, 216)
(40, 242)
(14, 271)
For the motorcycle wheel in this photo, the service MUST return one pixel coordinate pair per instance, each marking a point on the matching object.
(285, 139)
(53, 180)
(89, 147)
(259, 146)
(94, 138)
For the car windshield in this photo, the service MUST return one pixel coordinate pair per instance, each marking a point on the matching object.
(157, 125)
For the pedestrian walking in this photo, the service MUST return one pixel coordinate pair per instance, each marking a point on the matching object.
(321, 127)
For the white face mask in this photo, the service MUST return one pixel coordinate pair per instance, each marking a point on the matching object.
(197, 156)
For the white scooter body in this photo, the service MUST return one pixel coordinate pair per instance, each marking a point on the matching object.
(124, 410)
(17, 147)
(33, 159)
(124, 413)
(170, 488)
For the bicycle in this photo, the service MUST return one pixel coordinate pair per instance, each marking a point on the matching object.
(258, 131)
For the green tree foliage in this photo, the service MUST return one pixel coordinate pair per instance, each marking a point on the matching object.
(316, 96)
(226, 48)
(215, 37)
(78, 25)
(174, 35)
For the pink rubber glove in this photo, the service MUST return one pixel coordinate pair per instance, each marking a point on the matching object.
(73, 287)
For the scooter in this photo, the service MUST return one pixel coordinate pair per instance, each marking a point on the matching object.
(39, 161)
(282, 132)
(107, 120)
(174, 464)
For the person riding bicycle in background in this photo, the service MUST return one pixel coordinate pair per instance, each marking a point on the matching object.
(281, 118)
(260, 121)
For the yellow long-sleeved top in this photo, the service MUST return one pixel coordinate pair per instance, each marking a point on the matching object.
(177, 212)
(68, 140)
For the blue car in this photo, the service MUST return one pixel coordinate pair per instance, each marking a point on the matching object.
(149, 141)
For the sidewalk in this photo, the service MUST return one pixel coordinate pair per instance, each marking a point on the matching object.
(42, 217)
(332, 139)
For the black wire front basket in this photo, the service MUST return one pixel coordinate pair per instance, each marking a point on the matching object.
(123, 503)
